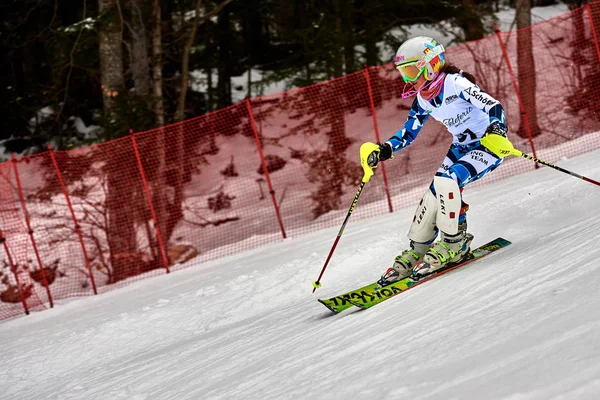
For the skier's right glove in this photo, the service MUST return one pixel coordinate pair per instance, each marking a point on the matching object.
(384, 152)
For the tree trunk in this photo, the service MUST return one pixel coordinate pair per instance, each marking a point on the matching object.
(159, 195)
(348, 32)
(185, 64)
(526, 70)
(371, 51)
(338, 50)
(111, 61)
(209, 90)
(140, 64)
(176, 212)
(173, 206)
(157, 77)
(470, 21)
(370, 37)
(120, 229)
(224, 62)
(120, 232)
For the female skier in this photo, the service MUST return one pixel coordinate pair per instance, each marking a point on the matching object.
(451, 97)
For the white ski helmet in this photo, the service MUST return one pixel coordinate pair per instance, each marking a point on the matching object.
(419, 55)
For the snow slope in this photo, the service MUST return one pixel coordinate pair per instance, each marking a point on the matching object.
(522, 324)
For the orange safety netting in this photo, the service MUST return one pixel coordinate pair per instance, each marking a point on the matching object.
(84, 221)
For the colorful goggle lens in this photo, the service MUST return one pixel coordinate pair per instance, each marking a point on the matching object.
(410, 72)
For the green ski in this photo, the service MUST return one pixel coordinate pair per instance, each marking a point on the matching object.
(369, 295)
(341, 302)
(374, 297)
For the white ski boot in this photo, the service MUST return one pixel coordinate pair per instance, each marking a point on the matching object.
(404, 263)
(448, 251)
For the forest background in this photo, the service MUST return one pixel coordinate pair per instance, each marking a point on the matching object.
(81, 72)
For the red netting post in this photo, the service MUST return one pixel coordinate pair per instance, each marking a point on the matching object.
(593, 28)
(13, 268)
(30, 231)
(378, 137)
(264, 166)
(161, 244)
(516, 87)
(77, 227)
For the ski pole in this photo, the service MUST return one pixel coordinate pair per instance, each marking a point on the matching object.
(502, 147)
(365, 150)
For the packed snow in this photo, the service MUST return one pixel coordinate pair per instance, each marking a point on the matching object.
(522, 323)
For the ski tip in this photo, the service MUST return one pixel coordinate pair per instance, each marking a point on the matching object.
(330, 307)
(503, 241)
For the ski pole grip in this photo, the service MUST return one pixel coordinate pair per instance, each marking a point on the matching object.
(365, 150)
(499, 145)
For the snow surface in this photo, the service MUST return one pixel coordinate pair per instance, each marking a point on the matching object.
(522, 324)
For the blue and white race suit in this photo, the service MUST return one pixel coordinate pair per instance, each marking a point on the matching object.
(466, 111)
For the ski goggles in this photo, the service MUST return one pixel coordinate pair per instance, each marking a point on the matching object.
(409, 71)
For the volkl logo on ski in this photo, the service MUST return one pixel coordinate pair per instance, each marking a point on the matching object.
(372, 294)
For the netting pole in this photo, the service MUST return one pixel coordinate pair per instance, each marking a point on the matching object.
(13, 268)
(264, 166)
(161, 244)
(593, 28)
(516, 87)
(30, 231)
(77, 227)
(378, 137)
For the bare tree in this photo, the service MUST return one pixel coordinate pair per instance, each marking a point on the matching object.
(157, 63)
(159, 196)
(185, 57)
(121, 232)
(111, 57)
(176, 209)
(140, 64)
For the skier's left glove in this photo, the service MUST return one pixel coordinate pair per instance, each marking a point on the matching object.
(383, 153)
(497, 128)
(495, 140)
